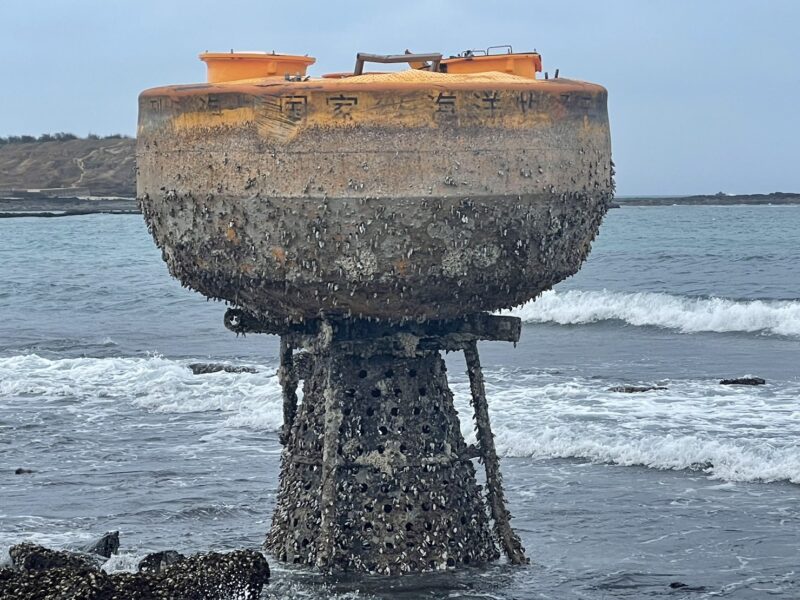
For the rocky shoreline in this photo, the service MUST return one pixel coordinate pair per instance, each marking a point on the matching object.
(710, 200)
(39, 573)
(33, 205)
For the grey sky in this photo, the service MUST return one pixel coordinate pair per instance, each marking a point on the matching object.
(703, 94)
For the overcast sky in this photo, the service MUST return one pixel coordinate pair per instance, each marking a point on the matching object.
(704, 95)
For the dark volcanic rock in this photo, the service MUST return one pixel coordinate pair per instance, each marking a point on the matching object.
(56, 584)
(635, 389)
(238, 574)
(105, 546)
(743, 381)
(44, 574)
(31, 557)
(22, 471)
(679, 585)
(159, 561)
(203, 368)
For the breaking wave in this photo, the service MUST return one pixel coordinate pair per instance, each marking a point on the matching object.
(647, 309)
(734, 434)
(156, 384)
(741, 434)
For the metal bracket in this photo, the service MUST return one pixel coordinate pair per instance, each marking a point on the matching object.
(435, 59)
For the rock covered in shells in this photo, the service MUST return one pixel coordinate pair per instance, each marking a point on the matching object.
(43, 574)
(105, 546)
(32, 557)
(158, 562)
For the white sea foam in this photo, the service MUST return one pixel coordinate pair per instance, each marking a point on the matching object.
(156, 384)
(686, 314)
(732, 433)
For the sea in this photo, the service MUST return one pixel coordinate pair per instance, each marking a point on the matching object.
(691, 491)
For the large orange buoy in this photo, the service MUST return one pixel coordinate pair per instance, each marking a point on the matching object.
(371, 220)
(403, 194)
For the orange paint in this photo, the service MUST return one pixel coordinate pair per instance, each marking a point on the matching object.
(235, 66)
(522, 64)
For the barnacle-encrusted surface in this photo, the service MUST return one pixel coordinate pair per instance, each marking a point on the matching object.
(406, 498)
(390, 201)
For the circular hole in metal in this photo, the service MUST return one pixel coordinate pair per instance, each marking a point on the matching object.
(389, 546)
(387, 508)
(409, 526)
(376, 393)
(382, 430)
(362, 374)
(394, 411)
(367, 526)
(417, 410)
(451, 562)
(381, 449)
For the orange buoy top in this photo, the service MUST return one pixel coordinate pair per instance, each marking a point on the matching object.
(237, 66)
(234, 66)
(523, 64)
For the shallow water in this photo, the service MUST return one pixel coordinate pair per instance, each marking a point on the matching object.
(615, 495)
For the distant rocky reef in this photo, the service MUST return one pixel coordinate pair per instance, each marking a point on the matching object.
(712, 199)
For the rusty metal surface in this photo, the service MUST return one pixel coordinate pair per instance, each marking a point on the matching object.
(404, 496)
(421, 204)
(369, 220)
(409, 57)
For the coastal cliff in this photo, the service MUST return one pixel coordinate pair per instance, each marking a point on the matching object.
(95, 167)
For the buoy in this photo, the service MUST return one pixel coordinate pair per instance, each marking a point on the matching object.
(374, 220)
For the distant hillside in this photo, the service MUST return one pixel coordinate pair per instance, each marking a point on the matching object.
(106, 167)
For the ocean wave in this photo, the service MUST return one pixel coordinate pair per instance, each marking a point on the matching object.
(730, 433)
(648, 309)
(719, 458)
(156, 384)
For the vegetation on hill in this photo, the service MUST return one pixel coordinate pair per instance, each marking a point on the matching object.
(61, 136)
(104, 166)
